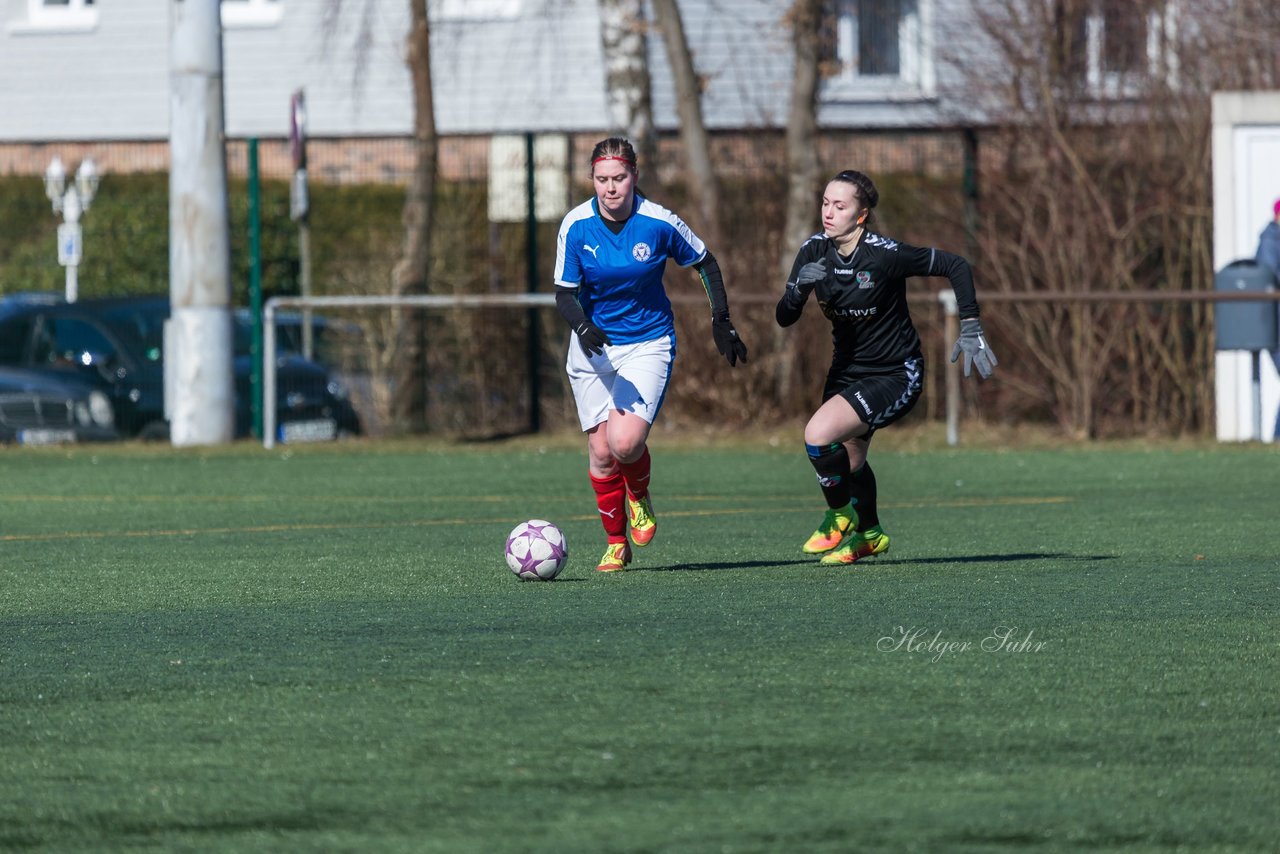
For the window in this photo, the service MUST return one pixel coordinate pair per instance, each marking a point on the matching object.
(59, 15)
(250, 13)
(13, 341)
(68, 342)
(880, 48)
(1110, 48)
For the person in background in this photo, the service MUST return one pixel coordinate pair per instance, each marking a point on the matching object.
(611, 253)
(1268, 255)
(877, 370)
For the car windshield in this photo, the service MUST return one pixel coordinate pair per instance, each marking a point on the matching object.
(142, 326)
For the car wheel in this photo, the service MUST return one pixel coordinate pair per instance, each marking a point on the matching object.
(154, 431)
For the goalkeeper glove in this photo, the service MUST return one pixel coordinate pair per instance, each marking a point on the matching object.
(809, 276)
(975, 348)
(727, 341)
(591, 339)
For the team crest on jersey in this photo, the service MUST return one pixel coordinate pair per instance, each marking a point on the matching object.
(641, 252)
(864, 279)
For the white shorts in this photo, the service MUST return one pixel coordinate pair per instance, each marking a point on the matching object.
(629, 377)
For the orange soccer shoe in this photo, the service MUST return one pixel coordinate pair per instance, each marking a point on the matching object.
(616, 557)
(832, 530)
(872, 541)
(640, 519)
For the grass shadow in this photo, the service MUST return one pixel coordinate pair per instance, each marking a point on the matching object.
(877, 561)
(990, 558)
(701, 567)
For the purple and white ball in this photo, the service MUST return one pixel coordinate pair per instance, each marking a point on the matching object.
(537, 550)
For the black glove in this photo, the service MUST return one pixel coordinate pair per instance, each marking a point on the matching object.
(975, 348)
(809, 276)
(591, 339)
(728, 342)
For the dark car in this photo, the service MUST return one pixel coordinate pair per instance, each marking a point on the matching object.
(37, 409)
(118, 344)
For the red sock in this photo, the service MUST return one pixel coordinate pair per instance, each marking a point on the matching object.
(609, 498)
(637, 475)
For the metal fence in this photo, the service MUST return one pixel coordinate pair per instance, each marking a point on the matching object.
(357, 330)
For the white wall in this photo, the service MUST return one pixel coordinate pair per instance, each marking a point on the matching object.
(538, 70)
(1246, 183)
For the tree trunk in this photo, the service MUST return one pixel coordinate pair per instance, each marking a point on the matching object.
(626, 75)
(802, 165)
(693, 130)
(410, 276)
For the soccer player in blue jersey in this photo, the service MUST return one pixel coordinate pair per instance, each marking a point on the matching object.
(610, 256)
(877, 369)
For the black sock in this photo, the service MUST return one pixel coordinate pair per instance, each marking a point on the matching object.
(862, 487)
(831, 462)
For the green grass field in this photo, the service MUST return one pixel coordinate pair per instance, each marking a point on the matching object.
(322, 649)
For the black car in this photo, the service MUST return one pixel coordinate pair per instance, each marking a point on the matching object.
(118, 344)
(37, 409)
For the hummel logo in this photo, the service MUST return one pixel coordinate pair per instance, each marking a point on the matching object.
(592, 250)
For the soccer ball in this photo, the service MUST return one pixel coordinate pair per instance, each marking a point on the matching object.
(536, 550)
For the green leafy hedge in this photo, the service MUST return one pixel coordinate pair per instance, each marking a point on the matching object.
(126, 235)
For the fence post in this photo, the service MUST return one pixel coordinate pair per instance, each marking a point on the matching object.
(950, 332)
(534, 341)
(269, 374)
(255, 288)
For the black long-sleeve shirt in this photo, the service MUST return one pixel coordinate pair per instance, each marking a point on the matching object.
(865, 296)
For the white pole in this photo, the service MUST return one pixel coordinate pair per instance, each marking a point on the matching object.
(269, 375)
(202, 388)
(1256, 357)
(950, 330)
(71, 211)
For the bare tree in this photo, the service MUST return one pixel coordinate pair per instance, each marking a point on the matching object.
(411, 274)
(802, 127)
(626, 74)
(693, 129)
(404, 359)
(1102, 184)
(802, 161)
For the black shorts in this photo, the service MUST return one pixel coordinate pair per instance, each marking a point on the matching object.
(879, 397)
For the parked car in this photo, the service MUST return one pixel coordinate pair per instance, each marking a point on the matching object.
(37, 409)
(118, 345)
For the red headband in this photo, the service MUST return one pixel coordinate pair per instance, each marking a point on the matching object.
(630, 163)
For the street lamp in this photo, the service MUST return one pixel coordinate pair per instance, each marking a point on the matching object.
(70, 201)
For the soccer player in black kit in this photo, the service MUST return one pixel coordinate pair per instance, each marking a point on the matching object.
(876, 374)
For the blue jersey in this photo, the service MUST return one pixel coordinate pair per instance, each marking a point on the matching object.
(619, 276)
